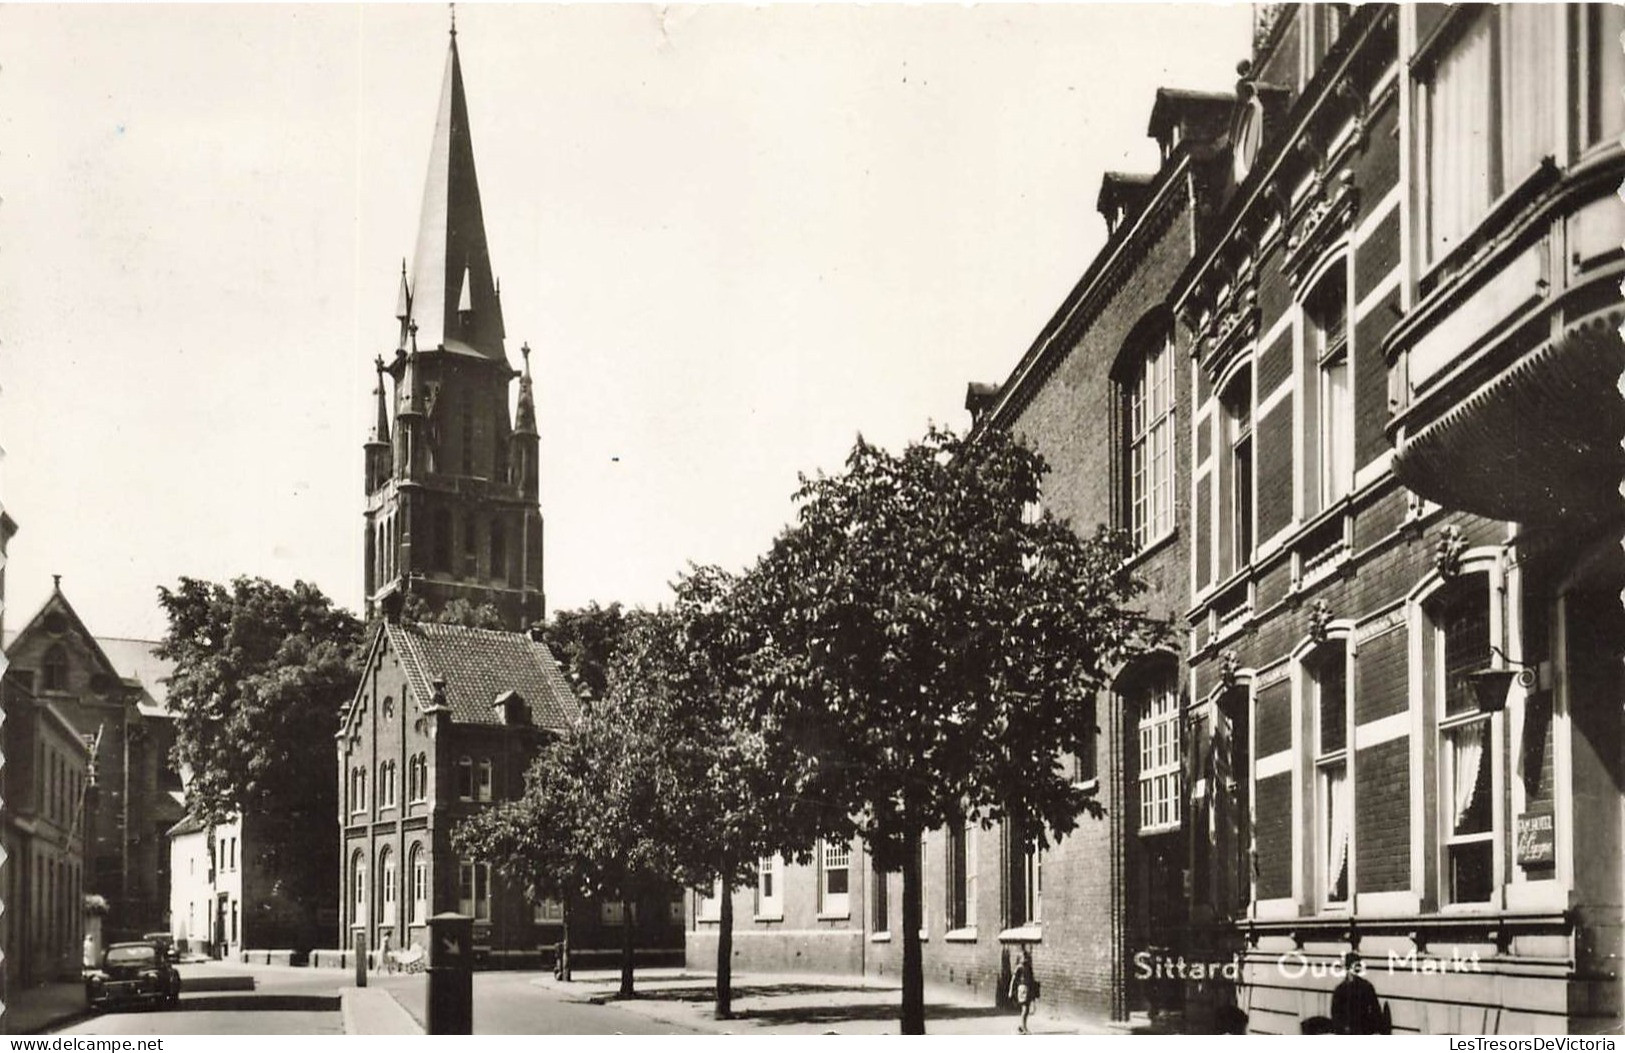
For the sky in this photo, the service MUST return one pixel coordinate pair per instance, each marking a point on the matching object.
(734, 237)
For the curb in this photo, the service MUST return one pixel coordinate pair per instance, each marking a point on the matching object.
(379, 1003)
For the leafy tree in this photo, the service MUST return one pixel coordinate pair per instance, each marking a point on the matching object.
(591, 820)
(932, 644)
(262, 673)
(730, 784)
(585, 642)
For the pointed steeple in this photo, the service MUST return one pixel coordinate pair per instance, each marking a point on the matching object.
(524, 418)
(380, 425)
(452, 295)
(403, 303)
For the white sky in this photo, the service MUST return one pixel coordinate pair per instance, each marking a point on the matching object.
(734, 236)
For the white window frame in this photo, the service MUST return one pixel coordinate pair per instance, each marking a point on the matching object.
(770, 888)
(389, 877)
(419, 862)
(472, 880)
(1330, 765)
(1448, 728)
(1330, 418)
(358, 887)
(834, 857)
(709, 907)
(959, 878)
(483, 780)
(1156, 700)
(1151, 434)
(548, 912)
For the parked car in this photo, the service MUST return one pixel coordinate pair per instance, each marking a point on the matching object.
(165, 943)
(133, 972)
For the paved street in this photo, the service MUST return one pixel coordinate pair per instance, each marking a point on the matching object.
(282, 1002)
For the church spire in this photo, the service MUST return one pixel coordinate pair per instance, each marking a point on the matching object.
(452, 296)
(524, 422)
(380, 424)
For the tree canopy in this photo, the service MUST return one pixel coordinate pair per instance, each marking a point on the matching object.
(933, 640)
(262, 673)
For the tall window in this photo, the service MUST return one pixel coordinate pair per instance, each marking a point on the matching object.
(1327, 697)
(1083, 762)
(833, 878)
(1238, 405)
(417, 776)
(769, 888)
(1158, 705)
(961, 872)
(387, 879)
(1461, 638)
(1026, 881)
(1489, 102)
(419, 891)
(358, 888)
(880, 902)
(468, 439)
(482, 788)
(56, 668)
(474, 890)
(358, 790)
(1151, 445)
(1326, 336)
(386, 784)
(465, 778)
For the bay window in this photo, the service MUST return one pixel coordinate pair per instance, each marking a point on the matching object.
(1489, 109)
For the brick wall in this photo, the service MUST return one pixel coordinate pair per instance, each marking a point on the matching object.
(1382, 817)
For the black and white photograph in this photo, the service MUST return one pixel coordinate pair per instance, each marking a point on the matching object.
(961, 519)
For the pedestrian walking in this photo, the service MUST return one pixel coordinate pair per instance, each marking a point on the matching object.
(1024, 985)
(1356, 1010)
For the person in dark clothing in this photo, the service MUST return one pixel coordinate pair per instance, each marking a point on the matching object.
(1355, 1007)
(1023, 988)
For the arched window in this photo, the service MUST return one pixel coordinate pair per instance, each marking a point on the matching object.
(56, 668)
(419, 893)
(1148, 454)
(1153, 699)
(1457, 643)
(387, 886)
(358, 888)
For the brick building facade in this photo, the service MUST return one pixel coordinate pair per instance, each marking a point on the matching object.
(111, 692)
(1365, 315)
(1404, 656)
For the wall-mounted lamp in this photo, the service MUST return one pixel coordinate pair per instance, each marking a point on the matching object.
(1489, 685)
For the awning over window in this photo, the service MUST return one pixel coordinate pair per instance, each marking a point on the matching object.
(1539, 441)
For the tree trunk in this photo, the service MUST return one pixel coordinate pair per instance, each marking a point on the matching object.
(913, 967)
(725, 954)
(627, 943)
(563, 965)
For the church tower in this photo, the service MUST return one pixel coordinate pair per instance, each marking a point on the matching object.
(451, 478)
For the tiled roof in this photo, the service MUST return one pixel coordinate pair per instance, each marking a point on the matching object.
(478, 666)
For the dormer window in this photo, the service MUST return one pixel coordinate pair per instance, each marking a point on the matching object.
(56, 669)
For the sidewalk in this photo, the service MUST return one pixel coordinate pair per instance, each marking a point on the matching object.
(788, 1004)
(374, 1011)
(38, 1009)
